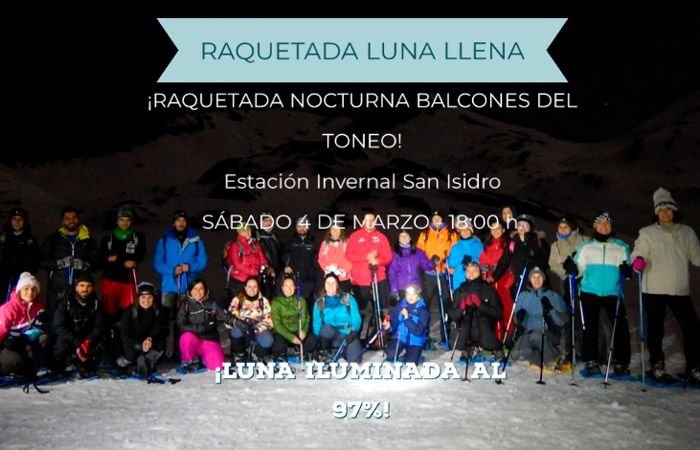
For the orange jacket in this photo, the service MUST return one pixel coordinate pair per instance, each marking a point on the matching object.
(437, 242)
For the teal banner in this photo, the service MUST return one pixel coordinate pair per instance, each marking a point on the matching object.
(362, 51)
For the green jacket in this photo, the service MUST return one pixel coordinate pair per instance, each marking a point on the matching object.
(285, 317)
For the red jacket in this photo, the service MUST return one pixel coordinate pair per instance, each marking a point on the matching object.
(333, 253)
(18, 316)
(245, 258)
(360, 244)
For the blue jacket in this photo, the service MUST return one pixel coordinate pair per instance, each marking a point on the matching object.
(168, 253)
(340, 312)
(531, 301)
(598, 263)
(472, 247)
(411, 331)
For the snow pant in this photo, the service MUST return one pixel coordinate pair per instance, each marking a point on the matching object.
(209, 352)
(331, 338)
(64, 354)
(682, 309)
(411, 353)
(592, 304)
(566, 335)
(529, 345)
(431, 295)
(504, 295)
(262, 342)
(281, 344)
(475, 330)
(365, 303)
(24, 362)
(145, 361)
(169, 302)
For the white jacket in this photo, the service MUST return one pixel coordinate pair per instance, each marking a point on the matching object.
(667, 254)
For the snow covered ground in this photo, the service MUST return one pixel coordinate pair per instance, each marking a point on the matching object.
(298, 413)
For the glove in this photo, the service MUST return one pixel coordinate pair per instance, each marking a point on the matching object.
(64, 263)
(79, 264)
(351, 337)
(520, 317)
(570, 266)
(546, 305)
(395, 296)
(242, 325)
(16, 342)
(639, 264)
(32, 334)
(625, 270)
(83, 350)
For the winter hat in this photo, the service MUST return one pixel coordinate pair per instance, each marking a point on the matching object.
(663, 199)
(570, 221)
(125, 211)
(437, 212)
(27, 279)
(536, 270)
(603, 215)
(526, 218)
(466, 223)
(146, 287)
(85, 277)
(18, 211)
(179, 214)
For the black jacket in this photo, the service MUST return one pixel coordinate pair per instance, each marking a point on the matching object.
(19, 252)
(203, 318)
(74, 322)
(138, 324)
(478, 323)
(300, 254)
(533, 251)
(132, 249)
(271, 247)
(57, 246)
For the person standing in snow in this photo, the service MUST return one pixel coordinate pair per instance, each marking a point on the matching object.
(332, 258)
(19, 251)
(467, 249)
(299, 259)
(179, 257)
(527, 248)
(436, 241)
(662, 253)
(406, 267)
(66, 255)
(272, 249)
(495, 266)
(245, 258)
(603, 263)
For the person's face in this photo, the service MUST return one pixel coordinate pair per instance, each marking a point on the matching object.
(28, 293)
(436, 221)
(124, 223)
(180, 224)
(473, 272)
(404, 238)
(369, 221)
(537, 280)
(412, 296)
(335, 232)
(523, 226)
(146, 300)
(302, 230)
(497, 231)
(70, 221)
(465, 233)
(331, 286)
(198, 291)
(17, 223)
(603, 227)
(564, 228)
(247, 232)
(84, 289)
(252, 288)
(288, 287)
(665, 215)
(506, 214)
(267, 223)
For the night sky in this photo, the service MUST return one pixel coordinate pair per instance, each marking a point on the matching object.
(79, 79)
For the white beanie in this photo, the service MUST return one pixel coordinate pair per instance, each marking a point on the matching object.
(27, 279)
(663, 199)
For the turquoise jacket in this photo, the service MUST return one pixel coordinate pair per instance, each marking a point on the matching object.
(339, 311)
(598, 264)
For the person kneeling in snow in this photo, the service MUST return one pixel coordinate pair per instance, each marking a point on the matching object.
(539, 309)
(475, 310)
(143, 332)
(409, 320)
(337, 320)
(292, 321)
(255, 314)
(22, 337)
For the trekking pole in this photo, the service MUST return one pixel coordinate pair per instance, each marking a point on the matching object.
(398, 340)
(301, 342)
(340, 349)
(642, 331)
(449, 279)
(377, 302)
(572, 302)
(612, 338)
(136, 283)
(454, 346)
(542, 349)
(515, 303)
(441, 297)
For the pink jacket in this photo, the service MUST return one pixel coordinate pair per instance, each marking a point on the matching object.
(17, 316)
(331, 258)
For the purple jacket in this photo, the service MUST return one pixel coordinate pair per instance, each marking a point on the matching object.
(406, 268)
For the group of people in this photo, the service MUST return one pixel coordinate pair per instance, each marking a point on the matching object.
(343, 296)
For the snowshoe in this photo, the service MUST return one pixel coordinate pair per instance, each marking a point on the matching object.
(591, 370)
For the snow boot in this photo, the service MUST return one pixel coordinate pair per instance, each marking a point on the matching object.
(658, 374)
(593, 368)
(621, 370)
